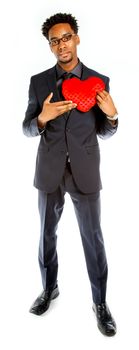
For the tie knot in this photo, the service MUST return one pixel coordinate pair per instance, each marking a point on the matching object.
(67, 75)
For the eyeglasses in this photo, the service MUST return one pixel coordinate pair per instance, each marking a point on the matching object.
(65, 37)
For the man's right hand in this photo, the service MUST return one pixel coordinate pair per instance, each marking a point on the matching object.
(53, 110)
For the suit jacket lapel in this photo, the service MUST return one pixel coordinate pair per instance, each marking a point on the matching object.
(85, 73)
(51, 82)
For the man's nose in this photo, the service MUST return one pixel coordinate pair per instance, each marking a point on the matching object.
(61, 45)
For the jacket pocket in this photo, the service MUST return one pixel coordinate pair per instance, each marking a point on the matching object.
(92, 148)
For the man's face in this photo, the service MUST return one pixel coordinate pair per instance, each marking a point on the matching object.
(65, 51)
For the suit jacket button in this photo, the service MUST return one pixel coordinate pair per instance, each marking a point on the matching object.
(68, 129)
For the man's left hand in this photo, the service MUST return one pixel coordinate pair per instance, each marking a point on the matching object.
(105, 103)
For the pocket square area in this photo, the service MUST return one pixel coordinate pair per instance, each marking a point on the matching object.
(82, 92)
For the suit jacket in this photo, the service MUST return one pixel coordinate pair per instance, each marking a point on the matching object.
(75, 133)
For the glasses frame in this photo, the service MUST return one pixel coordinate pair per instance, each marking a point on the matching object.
(66, 36)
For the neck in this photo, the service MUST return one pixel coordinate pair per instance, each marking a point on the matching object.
(68, 66)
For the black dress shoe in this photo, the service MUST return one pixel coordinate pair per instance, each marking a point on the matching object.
(42, 303)
(105, 321)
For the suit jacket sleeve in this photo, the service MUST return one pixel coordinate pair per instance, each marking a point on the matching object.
(104, 127)
(30, 126)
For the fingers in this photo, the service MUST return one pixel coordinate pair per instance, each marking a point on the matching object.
(48, 99)
(103, 94)
(62, 103)
(59, 103)
(99, 99)
(99, 104)
(67, 107)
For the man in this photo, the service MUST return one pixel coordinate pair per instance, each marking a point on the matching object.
(68, 161)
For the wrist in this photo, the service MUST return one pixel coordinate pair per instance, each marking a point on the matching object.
(113, 117)
(41, 122)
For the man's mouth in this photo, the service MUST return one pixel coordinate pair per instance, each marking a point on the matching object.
(63, 54)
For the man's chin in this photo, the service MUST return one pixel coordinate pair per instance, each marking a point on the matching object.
(65, 61)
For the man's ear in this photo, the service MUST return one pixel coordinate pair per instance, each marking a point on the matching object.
(77, 39)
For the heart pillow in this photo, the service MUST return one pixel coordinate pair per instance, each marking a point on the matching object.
(82, 92)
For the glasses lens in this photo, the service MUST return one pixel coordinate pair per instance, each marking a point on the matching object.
(53, 42)
(67, 37)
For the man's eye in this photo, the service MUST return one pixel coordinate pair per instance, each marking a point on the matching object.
(54, 42)
(64, 38)
(67, 37)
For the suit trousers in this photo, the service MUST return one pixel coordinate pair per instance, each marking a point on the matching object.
(87, 210)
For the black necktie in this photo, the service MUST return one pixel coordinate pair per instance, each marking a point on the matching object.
(65, 76)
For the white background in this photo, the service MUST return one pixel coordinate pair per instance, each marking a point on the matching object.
(109, 44)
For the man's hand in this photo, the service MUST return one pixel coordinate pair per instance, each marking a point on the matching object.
(53, 110)
(105, 103)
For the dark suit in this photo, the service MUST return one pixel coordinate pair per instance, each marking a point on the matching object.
(75, 133)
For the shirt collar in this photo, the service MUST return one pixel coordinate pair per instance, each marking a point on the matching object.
(77, 70)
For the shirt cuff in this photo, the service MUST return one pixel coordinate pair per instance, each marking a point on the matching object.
(115, 117)
(41, 130)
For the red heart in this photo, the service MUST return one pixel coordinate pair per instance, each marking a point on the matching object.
(82, 92)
